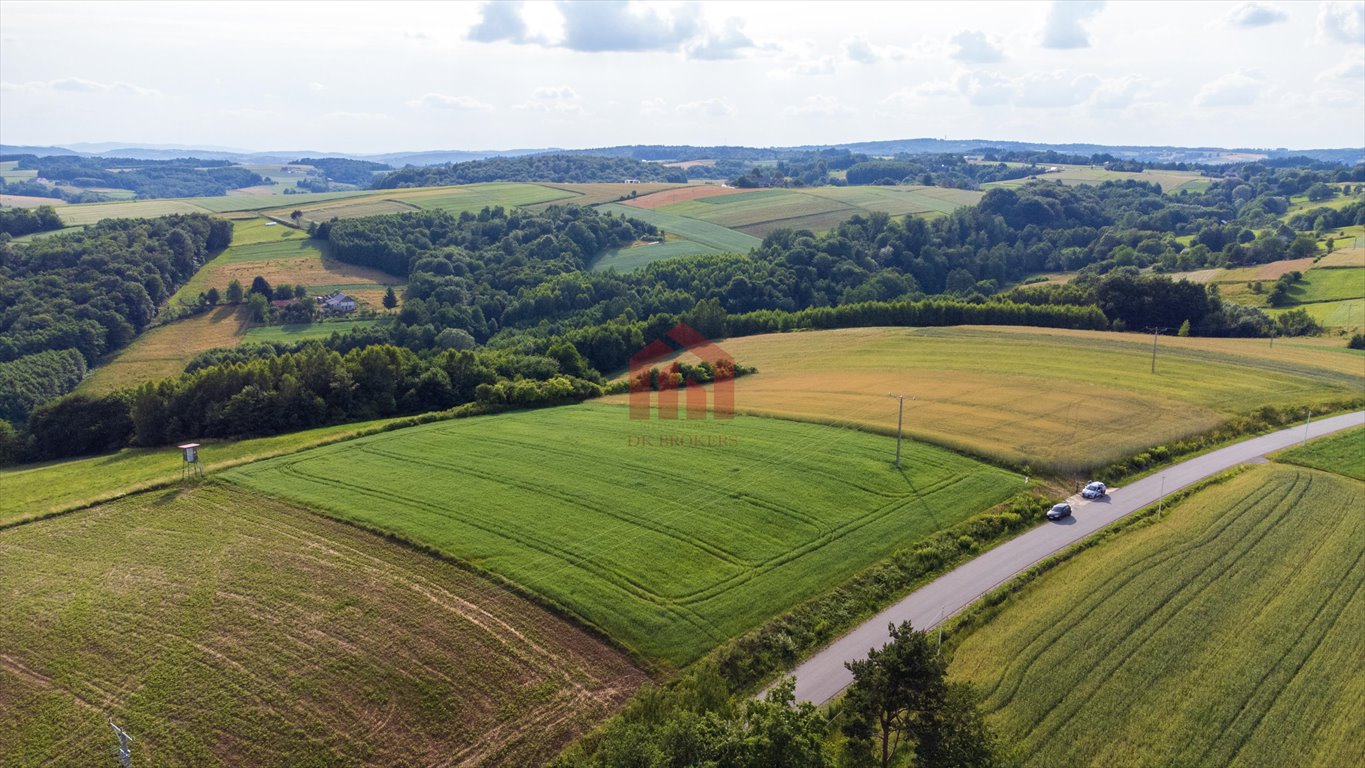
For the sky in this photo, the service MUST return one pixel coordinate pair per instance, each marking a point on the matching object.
(381, 77)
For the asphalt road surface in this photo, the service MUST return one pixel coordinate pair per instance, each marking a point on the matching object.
(823, 675)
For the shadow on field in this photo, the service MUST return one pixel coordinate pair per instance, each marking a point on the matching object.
(910, 483)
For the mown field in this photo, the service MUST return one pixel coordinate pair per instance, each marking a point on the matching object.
(1229, 633)
(1329, 285)
(35, 490)
(1170, 181)
(224, 627)
(1063, 401)
(1343, 453)
(165, 350)
(472, 198)
(705, 233)
(290, 333)
(640, 254)
(670, 549)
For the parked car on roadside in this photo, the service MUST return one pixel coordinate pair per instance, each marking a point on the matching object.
(1094, 490)
(1059, 511)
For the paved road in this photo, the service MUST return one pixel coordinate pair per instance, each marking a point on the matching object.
(823, 675)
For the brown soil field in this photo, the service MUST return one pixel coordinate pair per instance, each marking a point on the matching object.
(1274, 269)
(226, 627)
(308, 270)
(668, 197)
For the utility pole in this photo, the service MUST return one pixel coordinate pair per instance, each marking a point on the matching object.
(1307, 417)
(1154, 331)
(125, 754)
(900, 419)
(1161, 500)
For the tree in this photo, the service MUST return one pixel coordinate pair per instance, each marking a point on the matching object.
(297, 215)
(260, 285)
(1184, 329)
(234, 292)
(211, 297)
(899, 699)
(300, 291)
(390, 298)
(454, 338)
(257, 308)
(9, 443)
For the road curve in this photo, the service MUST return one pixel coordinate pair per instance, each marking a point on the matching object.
(823, 675)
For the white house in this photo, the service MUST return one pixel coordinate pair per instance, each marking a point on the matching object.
(337, 302)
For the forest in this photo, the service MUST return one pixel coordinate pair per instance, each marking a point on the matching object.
(22, 221)
(550, 167)
(89, 292)
(187, 177)
(345, 170)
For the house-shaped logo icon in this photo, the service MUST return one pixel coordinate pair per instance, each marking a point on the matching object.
(670, 379)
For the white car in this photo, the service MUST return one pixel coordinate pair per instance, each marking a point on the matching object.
(1094, 491)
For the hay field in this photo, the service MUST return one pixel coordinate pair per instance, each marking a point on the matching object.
(89, 213)
(165, 350)
(223, 627)
(1225, 634)
(1061, 401)
(900, 201)
(1170, 181)
(680, 194)
(472, 197)
(604, 192)
(1344, 257)
(26, 201)
(668, 548)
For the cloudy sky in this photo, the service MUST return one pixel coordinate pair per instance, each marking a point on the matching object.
(363, 77)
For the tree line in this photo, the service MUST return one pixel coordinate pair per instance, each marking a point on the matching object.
(22, 221)
(550, 167)
(185, 177)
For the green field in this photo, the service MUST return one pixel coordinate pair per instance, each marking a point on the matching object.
(290, 333)
(1343, 453)
(1065, 401)
(670, 549)
(1331, 314)
(635, 257)
(1229, 633)
(1171, 181)
(89, 213)
(1329, 285)
(761, 211)
(36, 490)
(223, 627)
(472, 198)
(703, 232)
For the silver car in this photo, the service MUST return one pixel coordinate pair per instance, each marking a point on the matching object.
(1095, 490)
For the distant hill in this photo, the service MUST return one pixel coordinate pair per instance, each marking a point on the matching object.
(684, 152)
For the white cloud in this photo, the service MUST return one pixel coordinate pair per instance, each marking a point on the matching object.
(974, 47)
(81, 85)
(1235, 90)
(1251, 15)
(1052, 90)
(706, 107)
(499, 21)
(819, 106)
(655, 106)
(454, 103)
(1342, 22)
(822, 65)
(316, 87)
(1117, 94)
(1065, 25)
(982, 89)
(725, 43)
(559, 99)
(247, 113)
(616, 25)
(1351, 68)
(364, 116)
(861, 51)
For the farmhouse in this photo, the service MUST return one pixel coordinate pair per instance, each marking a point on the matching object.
(336, 302)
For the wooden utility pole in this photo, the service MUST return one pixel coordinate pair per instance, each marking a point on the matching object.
(900, 421)
(1154, 331)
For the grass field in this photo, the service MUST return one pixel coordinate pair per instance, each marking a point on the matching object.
(165, 350)
(703, 232)
(670, 549)
(637, 256)
(1343, 453)
(222, 627)
(604, 192)
(1226, 634)
(473, 197)
(1170, 181)
(89, 213)
(303, 331)
(1058, 400)
(758, 212)
(1331, 314)
(35, 490)
(1329, 285)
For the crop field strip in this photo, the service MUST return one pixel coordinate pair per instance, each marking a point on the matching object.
(227, 627)
(1218, 636)
(703, 232)
(165, 350)
(37, 490)
(1329, 285)
(1049, 399)
(1170, 181)
(560, 503)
